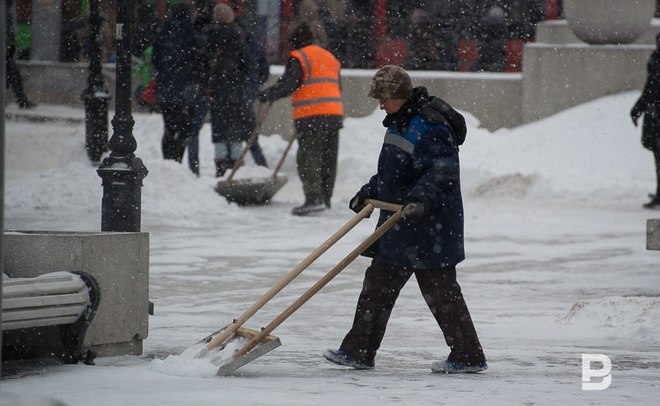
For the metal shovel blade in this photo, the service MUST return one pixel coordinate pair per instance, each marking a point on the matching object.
(224, 355)
(250, 191)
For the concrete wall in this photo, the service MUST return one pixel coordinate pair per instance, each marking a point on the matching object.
(653, 234)
(60, 82)
(557, 77)
(493, 98)
(118, 261)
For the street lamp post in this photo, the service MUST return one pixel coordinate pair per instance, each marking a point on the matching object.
(122, 172)
(96, 97)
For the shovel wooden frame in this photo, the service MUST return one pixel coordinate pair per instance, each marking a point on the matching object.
(237, 359)
(288, 278)
(254, 191)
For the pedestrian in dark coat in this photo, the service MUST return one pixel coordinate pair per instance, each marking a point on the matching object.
(418, 167)
(649, 105)
(230, 100)
(173, 52)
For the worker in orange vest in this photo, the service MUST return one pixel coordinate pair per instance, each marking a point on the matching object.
(311, 77)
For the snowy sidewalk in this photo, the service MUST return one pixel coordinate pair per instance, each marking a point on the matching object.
(556, 268)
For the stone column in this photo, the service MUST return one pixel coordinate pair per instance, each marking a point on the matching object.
(46, 25)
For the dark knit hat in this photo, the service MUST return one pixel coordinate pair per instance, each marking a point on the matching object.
(391, 82)
(301, 36)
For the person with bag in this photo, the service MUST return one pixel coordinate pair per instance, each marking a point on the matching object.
(419, 168)
(648, 104)
(146, 90)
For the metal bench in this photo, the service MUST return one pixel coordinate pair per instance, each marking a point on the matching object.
(61, 301)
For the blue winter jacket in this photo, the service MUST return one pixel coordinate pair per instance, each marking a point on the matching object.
(419, 162)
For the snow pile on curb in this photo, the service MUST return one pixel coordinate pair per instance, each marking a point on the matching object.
(636, 318)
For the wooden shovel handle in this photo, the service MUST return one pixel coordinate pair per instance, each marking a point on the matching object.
(286, 279)
(323, 281)
(383, 205)
(253, 136)
(286, 152)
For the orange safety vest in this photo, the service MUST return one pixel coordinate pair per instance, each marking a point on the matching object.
(319, 94)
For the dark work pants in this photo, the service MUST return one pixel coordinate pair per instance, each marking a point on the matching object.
(656, 156)
(196, 122)
(317, 163)
(177, 120)
(14, 81)
(442, 294)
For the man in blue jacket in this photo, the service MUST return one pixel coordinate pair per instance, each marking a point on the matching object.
(418, 167)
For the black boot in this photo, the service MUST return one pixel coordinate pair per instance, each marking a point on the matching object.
(26, 104)
(653, 204)
(221, 166)
(308, 208)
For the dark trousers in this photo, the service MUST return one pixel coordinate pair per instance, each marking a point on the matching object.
(656, 155)
(257, 153)
(14, 81)
(443, 296)
(317, 163)
(196, 122)
(177, 119)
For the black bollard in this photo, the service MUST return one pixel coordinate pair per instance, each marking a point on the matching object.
(95, 96)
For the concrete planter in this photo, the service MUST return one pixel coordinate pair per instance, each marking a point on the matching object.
(609, 21)
(119, 262)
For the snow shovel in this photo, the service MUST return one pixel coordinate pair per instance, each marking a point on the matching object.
(219, 338)
(260, 342)
(253, 191)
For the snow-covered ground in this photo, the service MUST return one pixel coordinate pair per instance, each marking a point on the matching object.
(556, 267)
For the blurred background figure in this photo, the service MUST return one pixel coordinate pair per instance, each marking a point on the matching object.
(648, 105)
(335, 19)
(258, 76)
(173, 51)
(360, 34)
(147, 22)
(422, 43)
(491, 41)
(199, 69)
(73, 32)
(145, 93)
(13, 79)
(309, 12)
(230, 100)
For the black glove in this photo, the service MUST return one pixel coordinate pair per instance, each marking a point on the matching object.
(413, 212)
(635, 114)
(357, 202)
(263, 97)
